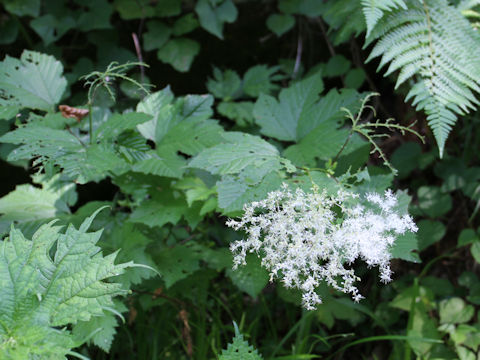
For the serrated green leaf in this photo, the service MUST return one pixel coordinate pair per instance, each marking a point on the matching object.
(239, 349)
(280, 119)
(259, 80)
(235, 153)
(33, 81)
(119, 123)
(53, 280)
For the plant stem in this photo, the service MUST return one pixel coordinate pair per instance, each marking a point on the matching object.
(90, 122)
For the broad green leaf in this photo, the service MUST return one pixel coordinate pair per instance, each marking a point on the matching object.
(405, 158)
(455, 311)
(280, 23)
(250, 278)
(280, 119)
(212, 17)
(168, 8)
(157, 35)
(119, 123)
(134, 9)
(240, 112)
(22, 7)
(33, 81)
(158, 106)
(185, 25)
(236, 152)
(404, 248)
(179, 53)
(29, 203)
(337, 65)
(191, 137)
(159, 210)
(169, 165)
(177, 263)
(233, 192)
(429, 232)
(51, 28)
(133, 246)
(305, 7)
(103, 328)
(475, 251)
(433, 202)
(8, 31)
(95, 15)
(355, 78)
(53, 280)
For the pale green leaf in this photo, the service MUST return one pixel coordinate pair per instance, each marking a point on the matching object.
(33, 81)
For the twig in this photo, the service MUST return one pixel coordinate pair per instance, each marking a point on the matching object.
(139, 56)
(298, 59)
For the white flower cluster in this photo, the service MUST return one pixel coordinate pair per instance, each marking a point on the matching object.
(305, 238)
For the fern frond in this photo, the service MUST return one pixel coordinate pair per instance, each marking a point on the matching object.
(431, 42)
(374, 10)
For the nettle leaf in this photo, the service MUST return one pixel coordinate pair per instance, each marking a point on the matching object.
(33, 81)
(212, 17)
(296, 105)
(180, 53)
(53, 280)
(239, 349)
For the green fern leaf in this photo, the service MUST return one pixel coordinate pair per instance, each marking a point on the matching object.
(51, 281)
(239, 349)
(374, 10)
(434, 44)
(34, 81)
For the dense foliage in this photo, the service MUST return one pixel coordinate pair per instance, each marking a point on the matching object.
(241, 175)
